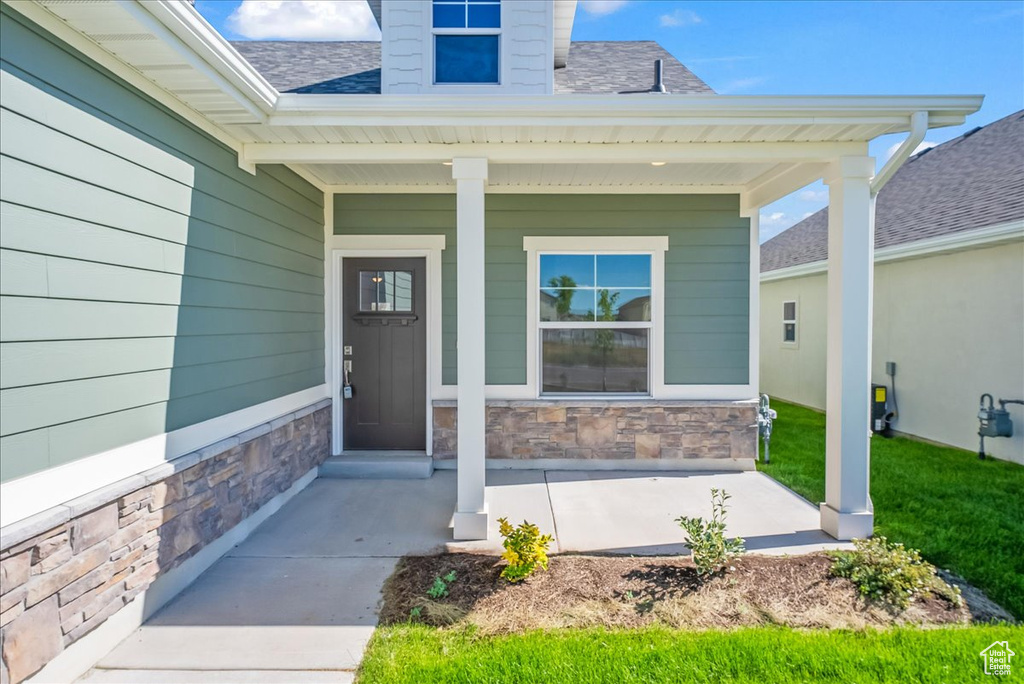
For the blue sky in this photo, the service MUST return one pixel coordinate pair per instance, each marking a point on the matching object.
(761, 48)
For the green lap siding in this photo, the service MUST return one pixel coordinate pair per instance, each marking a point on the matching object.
(707, 269)
(146, 282)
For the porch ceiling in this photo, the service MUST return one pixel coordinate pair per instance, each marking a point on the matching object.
(720, 177)
(764, 146)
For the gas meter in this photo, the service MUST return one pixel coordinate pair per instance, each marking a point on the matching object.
(994, 422)
(765, 416)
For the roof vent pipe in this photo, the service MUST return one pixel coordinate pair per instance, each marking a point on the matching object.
(659, 85)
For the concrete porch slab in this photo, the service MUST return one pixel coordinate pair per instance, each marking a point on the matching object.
(263, 613)
(634, 513)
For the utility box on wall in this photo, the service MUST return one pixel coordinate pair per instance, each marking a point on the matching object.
(879, 411)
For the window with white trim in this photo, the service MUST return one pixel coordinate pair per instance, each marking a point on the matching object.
(595, 322)
(789, 322)
(467, 39)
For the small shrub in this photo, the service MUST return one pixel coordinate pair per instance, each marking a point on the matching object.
(889, 572)
(526, 549)
(712, 552)
(439, 589)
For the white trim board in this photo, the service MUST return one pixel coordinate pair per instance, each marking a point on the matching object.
(449, 189)
(35, 493)
(641, 465)
(656, 246)
(81, 656)
(989, 236)
(428, 247)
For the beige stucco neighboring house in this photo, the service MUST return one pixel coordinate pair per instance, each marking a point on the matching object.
(948, 292)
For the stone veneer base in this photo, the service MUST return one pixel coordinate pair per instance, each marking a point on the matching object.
(671, 434)
(80, 657)
(134, 544)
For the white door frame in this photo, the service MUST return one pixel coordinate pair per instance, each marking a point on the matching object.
(428, 247)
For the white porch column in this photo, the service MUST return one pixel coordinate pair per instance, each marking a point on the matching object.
(471, 510)
(847, 511)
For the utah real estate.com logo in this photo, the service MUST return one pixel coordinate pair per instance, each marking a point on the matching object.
(997, 658)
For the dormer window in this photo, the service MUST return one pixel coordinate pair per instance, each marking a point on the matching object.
(466, 41)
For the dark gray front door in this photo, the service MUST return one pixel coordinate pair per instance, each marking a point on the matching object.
(385, 328)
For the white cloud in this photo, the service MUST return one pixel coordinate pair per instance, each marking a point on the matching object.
(304, 20)
(814, 196)
(925, 145)
(776, 218)
(600, 8)
(680, 17)
(741, 84)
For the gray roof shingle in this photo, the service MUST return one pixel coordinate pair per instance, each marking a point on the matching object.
(603, 66)
(353, 67)
(970, 182)
(292, 66)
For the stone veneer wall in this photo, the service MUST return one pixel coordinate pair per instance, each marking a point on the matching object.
(66, 570)
(608, 429)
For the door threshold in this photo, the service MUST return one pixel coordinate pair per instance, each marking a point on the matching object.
(379, 465)
(381, 454)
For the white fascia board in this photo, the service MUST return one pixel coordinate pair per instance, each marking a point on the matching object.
(540, 189)
(559, 153)
(182, 20)
(989, 236)
(62, 30)
(713, 110)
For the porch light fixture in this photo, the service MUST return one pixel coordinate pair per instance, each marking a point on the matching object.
(658, 163)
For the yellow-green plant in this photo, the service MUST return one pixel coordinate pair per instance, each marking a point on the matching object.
(889, 572)
(526, 549)
(712, 552)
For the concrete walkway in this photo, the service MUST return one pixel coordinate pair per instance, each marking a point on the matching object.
(296, 601)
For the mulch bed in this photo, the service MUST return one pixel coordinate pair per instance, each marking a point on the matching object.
(616, 591)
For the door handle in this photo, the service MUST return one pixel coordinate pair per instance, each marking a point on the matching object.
(346, 389)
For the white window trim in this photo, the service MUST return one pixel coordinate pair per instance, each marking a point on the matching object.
(655, 246)
(431, 76)
(795, 344)
(387, 246)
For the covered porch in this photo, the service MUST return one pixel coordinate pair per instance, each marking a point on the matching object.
(755, 150)
(318, 565)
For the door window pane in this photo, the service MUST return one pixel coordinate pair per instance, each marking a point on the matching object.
(594, 360)
(385, 291)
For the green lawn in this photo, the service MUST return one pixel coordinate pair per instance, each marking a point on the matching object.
(417, 654)
(963, 514)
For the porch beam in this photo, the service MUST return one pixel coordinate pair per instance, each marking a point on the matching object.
(847, 512)
(777, 183)
(554, 153)
(470, 175)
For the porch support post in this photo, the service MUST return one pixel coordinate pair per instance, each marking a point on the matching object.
(847, 512)
(470, 176)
